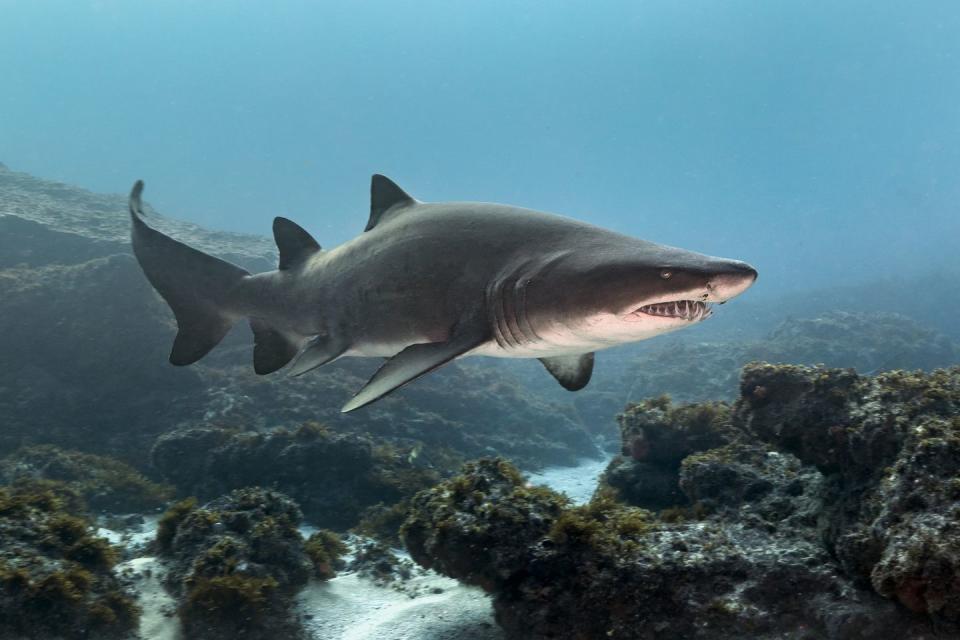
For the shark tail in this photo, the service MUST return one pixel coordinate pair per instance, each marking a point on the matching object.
(197, 286)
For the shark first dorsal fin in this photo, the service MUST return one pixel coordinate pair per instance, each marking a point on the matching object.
(385, 195)
(294, 243)
(572, 372)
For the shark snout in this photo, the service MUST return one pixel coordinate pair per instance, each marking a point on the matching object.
(735, 278)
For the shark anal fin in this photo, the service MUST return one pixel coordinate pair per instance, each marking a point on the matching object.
(293, 241)
(318, 351)
(572, 372)
(385, 195)
(271, 349)
(411, 363)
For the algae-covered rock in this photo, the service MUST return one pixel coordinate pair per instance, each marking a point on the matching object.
(235, 564)
(325, 549)
(332, 476)
(104, 483)
(459, 527)
(607, 570)
(889, 447)
(55, 574)
(824, 502)
(655, 437)
(755, 485)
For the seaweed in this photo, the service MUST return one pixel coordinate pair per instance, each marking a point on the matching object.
(325, 549)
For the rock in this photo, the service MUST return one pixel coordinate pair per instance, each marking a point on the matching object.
(823, 501)
(87, 369)
(105, 484)
(55, 575)
(889, 446)
(607, 570)
(655, 438)
(235, 565)
(332, 476)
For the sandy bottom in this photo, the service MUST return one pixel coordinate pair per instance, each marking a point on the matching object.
(350, 607)
(577, 482)
(157, 620)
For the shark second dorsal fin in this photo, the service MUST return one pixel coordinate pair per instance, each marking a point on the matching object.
(385, 195)
(294, 243)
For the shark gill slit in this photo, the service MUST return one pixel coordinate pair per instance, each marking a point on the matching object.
(494, 302)
(510, 310)
(523, 320)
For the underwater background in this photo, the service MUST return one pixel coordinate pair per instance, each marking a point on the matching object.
(788, 469)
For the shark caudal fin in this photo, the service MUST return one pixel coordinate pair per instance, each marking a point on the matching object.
(194, 284)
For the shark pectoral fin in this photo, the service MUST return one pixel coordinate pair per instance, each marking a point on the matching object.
(411, 363)
(318, 351)
(572, 372)
(271, 348)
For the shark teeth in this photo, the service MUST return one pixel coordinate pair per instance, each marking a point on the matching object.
(690, 310)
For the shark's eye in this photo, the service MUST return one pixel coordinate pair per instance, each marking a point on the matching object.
(665, 274)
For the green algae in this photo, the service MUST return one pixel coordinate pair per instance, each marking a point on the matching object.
(104, 483)
(170, 521)
(325, 549)
(55, 574)
(222, 599)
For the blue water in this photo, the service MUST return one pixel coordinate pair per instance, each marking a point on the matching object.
(818, 140)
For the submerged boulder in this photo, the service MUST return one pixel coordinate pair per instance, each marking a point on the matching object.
(607, 570)
(104, 484)
(235, 564)
(56, 578)
(333, 477)
(889, 447)
(655, 438)
(822, 502)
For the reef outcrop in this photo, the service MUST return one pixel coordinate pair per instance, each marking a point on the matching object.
(103, 483)
(822, 503)
(888, 447)
(334, 477)
(56, 578)
(236, 562)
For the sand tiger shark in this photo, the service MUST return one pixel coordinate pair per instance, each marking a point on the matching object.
(428, 282)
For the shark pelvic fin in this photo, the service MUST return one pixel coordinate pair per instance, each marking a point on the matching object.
(318, 351)
(572, 372)
(413, 362)
(294, 243)
(271, 349)
(384, 196)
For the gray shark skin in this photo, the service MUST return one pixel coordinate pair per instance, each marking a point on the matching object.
(426, 283)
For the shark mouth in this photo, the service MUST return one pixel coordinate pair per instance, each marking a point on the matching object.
(689, 310)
